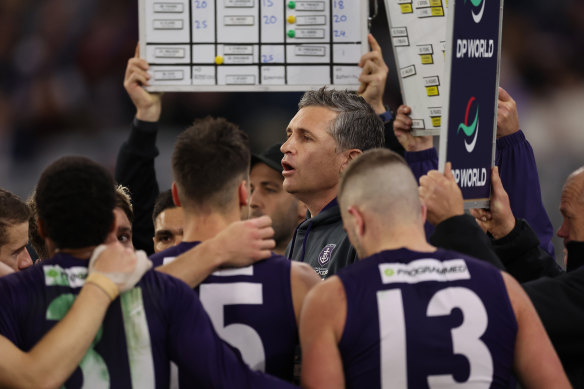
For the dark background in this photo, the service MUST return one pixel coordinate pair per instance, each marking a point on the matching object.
(62, 64)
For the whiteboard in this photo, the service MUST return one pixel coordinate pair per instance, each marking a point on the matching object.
(252, 45)
(418, 33)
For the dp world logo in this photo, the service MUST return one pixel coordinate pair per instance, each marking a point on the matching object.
(470, 130)
(476, 4)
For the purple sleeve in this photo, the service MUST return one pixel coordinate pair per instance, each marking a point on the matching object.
(204, 360)
(421, 162)
(8, 322)
(516, 162)
(135, 170)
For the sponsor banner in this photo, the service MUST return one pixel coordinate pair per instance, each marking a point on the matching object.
(73, 277)
(423, 270)
(472, 77)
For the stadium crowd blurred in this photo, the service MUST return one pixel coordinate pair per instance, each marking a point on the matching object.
(62, 62)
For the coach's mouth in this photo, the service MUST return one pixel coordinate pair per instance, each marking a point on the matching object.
(288, 169)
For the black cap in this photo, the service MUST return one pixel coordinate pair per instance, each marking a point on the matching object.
(271, 157)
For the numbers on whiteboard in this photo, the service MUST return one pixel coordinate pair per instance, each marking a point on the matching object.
(267, 58)
(338, 4)
(339, 33)
(200, 3)
(268, 3)
(200, 24)
(339, 18)
(271, 19)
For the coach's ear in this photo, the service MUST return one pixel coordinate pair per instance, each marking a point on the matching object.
(175, 198)
(243, 193)
(350, 155)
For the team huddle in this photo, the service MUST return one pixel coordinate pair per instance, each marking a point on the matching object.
(339, 258)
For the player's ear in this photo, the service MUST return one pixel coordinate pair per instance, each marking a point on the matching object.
(175, 198)
(243, 193)
(42, 231)
(424, 211)
(358, 220)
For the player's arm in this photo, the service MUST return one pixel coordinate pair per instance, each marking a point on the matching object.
(536, 363)
(5, 269)
(321, 326)
(52, 360)
(302, 279)
(240, 244)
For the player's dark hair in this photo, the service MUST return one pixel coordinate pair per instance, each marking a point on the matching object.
(75, 198)
(209, 160)
(124, 202)
(163, 202)
(35, 239)
(356, 126)
(12, 211)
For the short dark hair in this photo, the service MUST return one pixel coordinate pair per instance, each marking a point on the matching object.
(124, 202)
(35, 239)
(75, 198)
(163, 202)
(382, 180)
(12, 211)
(356, 126)
(208, 160)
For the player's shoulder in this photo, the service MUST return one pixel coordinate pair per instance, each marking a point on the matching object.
(161, 283)
(32, 275)
(158, 258)
(326, 292)
(273, 262)
(304, 273)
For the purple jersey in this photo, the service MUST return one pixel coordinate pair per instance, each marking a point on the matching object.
(424, 320)
(157, 321)
(251, 309)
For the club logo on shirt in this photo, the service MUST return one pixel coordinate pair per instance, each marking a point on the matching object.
(477, 3)
(471, 129)
(325, 255)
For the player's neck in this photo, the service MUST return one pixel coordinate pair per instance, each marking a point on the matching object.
(281, 246)
(81, 253)
(411, 238)
(202, 226)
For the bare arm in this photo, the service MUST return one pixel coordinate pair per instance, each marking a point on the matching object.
(302, 279)
(5, 269)
(321, 326)
(52, 360)
(536, 363)
(240, 244)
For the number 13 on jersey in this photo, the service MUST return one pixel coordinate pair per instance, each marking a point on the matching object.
(465, 338)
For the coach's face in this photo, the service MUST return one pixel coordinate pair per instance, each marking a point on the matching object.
(311, 162)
